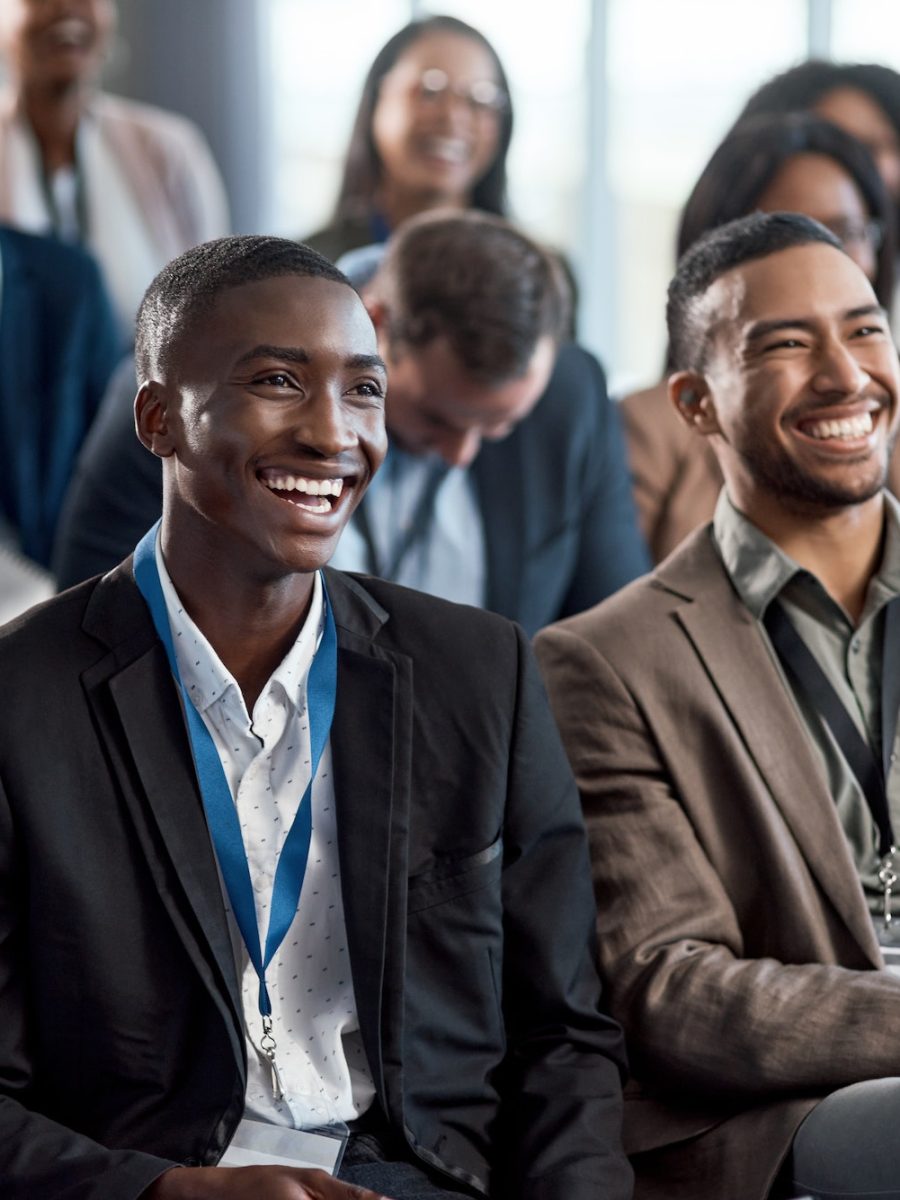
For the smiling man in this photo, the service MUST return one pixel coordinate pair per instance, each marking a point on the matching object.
(732, 723)
(289, 860)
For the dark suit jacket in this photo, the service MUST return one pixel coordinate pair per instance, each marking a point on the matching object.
(560, 525)
(735, 939)
(466, 887)
(58, 346)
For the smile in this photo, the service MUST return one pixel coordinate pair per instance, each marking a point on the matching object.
(450, 150)
(846, 428)
(71, 31)
(312, 495)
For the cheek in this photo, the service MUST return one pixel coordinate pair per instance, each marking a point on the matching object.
(390, 126)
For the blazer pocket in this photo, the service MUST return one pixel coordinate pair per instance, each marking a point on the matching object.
(452, 876)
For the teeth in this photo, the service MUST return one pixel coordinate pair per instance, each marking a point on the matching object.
(453, 149)
(71, 31)
(849, 427)
(309, 487)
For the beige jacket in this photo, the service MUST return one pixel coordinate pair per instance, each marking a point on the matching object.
(674, 472)
(736, 946)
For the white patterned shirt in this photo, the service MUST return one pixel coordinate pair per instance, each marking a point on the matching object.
(266, 759)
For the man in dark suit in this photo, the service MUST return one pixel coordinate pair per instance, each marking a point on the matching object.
(428, 974)
(58, 347)
(506, 484)
(732, 722)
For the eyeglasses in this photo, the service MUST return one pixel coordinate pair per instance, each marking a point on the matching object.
(483, 95)
(852, 231)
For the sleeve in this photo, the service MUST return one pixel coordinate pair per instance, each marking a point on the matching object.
(697, 1013)
(611, 551)
(39, 1158)
(562, 1106)
(195, 185)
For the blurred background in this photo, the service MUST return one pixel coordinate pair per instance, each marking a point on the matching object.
(618, 105)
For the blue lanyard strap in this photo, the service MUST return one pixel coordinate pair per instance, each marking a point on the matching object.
(221, 812)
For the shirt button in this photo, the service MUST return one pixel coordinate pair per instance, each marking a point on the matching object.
(855, 645)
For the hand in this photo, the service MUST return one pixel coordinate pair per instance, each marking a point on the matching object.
(253, 1183)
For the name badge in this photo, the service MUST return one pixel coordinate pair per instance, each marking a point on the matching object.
(256, 1144)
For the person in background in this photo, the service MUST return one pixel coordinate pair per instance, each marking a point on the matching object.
(59, 344)
(732, 721)
(432, 130)
(862, 98)
(794, 162)
(131, 183)
(506, 484)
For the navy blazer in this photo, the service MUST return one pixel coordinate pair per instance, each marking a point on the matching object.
(58, 346)
(466, 884)
(560, 525)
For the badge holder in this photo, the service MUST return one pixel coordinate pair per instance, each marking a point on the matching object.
(258, 1144)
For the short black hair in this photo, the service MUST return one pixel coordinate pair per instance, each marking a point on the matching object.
(363, 167)
(186, 288)
(717, 252)
(476, 280)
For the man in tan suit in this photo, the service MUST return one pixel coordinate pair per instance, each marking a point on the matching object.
(733, 732)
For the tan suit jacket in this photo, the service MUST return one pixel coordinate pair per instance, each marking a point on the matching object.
(674, 472)
(736, 945)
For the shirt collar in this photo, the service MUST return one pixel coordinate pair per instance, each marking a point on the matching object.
(760, 570)
(204, 674)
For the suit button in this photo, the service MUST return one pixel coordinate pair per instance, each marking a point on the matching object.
(191, 1162)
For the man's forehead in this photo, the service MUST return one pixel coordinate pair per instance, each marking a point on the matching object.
(806, 283)
(302, 307)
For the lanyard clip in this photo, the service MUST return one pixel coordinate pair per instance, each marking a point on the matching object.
(887, 877)
(268, 1046)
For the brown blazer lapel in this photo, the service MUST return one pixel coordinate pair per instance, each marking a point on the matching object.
(731, 645)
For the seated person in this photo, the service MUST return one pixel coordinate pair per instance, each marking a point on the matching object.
(732, 723)
(58, 346)
(505, 486)
(787, 162)
(219, 743)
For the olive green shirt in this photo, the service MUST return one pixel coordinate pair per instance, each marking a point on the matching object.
(850, 656)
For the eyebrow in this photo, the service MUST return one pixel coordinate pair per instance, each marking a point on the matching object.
(296, 354)
(763, 328)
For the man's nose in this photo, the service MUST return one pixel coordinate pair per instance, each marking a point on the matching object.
(459, 449)
(323, 425)
(839, 371)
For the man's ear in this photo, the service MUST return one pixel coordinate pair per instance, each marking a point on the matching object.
(690, 396)
(151, 419)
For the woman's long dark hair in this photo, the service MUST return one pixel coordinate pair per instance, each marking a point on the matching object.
(753, 153)
(750, 157)
(362, 167)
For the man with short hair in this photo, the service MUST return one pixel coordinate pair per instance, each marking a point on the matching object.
(732, 723)
(506, 484)
(287, 859)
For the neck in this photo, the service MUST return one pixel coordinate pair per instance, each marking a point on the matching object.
(251, 624)
(841, 548)
(53, 114)
(396, 204)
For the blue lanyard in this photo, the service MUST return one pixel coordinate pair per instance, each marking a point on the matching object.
(221, 813)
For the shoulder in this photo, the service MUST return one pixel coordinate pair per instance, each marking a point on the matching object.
(44, 639)
(340, 237)
(437, 634)
(145, 122)
(635, 623)
(46, 255)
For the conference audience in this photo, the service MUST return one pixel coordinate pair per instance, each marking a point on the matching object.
(505, 484)
(797, 163)
(131, 183)
(732, 723)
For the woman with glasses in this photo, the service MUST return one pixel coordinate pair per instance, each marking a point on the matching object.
(432, 130)
(779, 163)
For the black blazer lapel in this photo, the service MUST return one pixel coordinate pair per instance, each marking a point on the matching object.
(132, 694)
(499, 483)
(371, 745)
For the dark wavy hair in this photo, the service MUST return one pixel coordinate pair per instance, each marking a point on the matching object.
(752, 154)
(362, 166)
